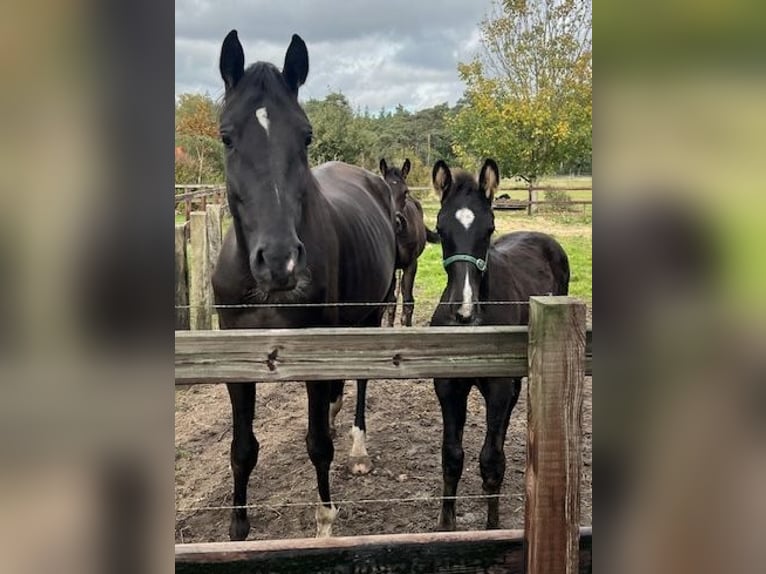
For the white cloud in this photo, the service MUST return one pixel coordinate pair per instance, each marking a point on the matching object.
(378, 55)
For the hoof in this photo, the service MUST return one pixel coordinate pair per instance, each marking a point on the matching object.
(359, 465)
(325, 517)
(239, 529)
(446, 523)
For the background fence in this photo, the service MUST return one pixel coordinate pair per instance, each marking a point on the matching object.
(198, 196)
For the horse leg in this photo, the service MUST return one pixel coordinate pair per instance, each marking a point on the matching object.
(392, 298)
(244, 453)
(320, 448)
(500, 396)
(359, 462)
(453, 398)
(408, 300)
(336, 403)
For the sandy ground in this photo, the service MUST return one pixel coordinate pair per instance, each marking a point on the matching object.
(404, 441)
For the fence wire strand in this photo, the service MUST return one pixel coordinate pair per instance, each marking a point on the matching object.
(337, 304)
(359, 502)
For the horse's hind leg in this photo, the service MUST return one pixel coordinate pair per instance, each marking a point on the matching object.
(359, 462)
(336, 403)
(244, 453)
(320, 448)
(453, 398)
(408, 286)
(500, 396)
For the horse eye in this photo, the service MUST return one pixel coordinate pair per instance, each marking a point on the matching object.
(309, 139)
(226, 139)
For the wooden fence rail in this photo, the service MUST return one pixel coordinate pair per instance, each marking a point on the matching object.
(554, 352)
(446, 552)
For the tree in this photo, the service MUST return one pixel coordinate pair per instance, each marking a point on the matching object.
(335, 138)
(201, 152)
(528, 98)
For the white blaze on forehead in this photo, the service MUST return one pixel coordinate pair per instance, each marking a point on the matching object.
(465, 216)
(466, 309)
(263, 118)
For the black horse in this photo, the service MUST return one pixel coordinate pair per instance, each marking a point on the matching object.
(411, 237)
(299, 236)
(512, 268)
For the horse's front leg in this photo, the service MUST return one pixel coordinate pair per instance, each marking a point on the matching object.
(500, 396)
(408, 298)
(244, 453)
(453, 399)
(392, 298)
(320, 448)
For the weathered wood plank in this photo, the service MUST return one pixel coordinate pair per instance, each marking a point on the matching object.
(199, 277)
(557, 337)
(181, 278)
(323, 354)
(465, 552)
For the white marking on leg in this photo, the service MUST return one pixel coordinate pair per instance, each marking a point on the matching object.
(465, 216)
(325, 518)
(359, 444)
(466, 309)
(263, 118)
(290, 265)
(359, 461)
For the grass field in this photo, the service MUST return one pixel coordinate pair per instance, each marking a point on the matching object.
(573, 229)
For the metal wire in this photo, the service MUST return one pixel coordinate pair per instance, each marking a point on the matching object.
(349, 502)
(339, 304)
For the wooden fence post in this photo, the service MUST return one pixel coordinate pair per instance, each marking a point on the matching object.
(199, 276)
(531, 198)
(554, 434)
(214, 237)
(182, 283)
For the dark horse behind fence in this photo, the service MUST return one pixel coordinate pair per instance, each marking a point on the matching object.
(513, 268)
(299, 236)
(411, 237)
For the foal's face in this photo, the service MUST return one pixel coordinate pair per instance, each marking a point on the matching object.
(397, 181)
(265, 133)
(465, 224)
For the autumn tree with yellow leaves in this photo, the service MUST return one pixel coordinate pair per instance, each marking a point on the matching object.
(528, 100)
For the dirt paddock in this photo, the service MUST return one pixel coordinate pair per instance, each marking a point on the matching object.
(404, 441)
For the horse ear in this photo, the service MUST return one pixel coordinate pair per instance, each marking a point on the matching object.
(406, 168)
(442, 178)
(489, 177)
(296, 68)
(232, 62)
(383, 167)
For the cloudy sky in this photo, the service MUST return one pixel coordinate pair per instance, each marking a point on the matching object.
(379, 54)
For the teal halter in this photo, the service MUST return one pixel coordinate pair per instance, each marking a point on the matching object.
(481, 264)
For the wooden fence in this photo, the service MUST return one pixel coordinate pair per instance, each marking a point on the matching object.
(201, 193)
(553, 352)
(195, 261)
(198, 196)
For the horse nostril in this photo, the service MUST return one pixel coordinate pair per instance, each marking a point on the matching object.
(260, 259)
